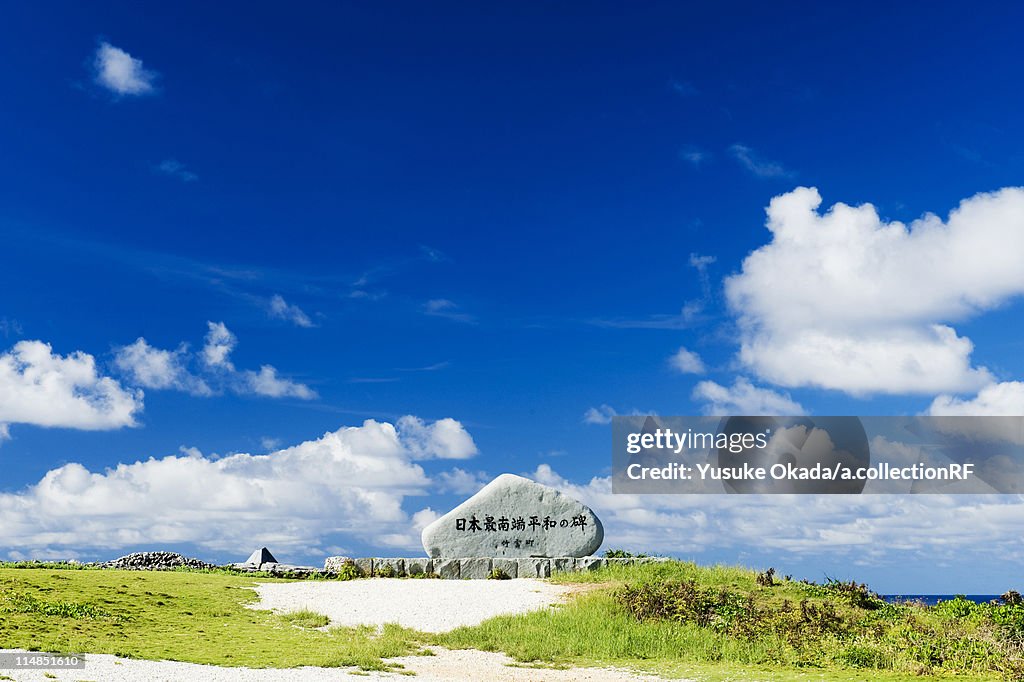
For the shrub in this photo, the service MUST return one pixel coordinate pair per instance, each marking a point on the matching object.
(855, 594)
(347, 571)
(385, 571)
(623, 554)
(957, 607)
(1012, 598)
(498, 574)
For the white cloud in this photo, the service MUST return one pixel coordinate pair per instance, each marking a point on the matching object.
(1001, 399)
(762, 168)
(176, 169)
(267, 383)
(693, 155)
(848, 301)
(419, 521)
(988, 409)
(121, 73)
(442, 307)
(219, 344)
(350, 482)
(282, 310)
(42, 388)
(160, 369)
(156, 368)
(743, 398)
(461, 482)
(9, 327)
(839, 531)
(444, 438)
(701, 262)
(5, 432)
(687, 362)
(600, 415)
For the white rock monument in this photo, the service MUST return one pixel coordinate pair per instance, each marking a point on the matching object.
(515, 517)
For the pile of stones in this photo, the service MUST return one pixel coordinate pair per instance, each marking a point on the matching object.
(154, 561)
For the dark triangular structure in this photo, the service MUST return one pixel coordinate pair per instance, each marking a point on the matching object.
(261, 556)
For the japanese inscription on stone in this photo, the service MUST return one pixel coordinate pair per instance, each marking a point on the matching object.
(515, 517)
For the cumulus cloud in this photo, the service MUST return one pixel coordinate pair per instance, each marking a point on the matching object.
(418, 522)
(150, 367)
(601, 414)
(686, 362)
(444, 438)
(214, 373)
(282, 310)
(350, 483)
(219, 344)
(988, 410)
(837, 531)
(999, 399)
(461, 482)
(743, 398)
(119, 72)
(267, 383)
(848, 301)
(40, 387)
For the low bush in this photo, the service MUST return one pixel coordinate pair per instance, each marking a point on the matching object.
(840, 623)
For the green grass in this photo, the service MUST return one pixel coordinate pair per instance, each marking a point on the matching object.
(180, 616)
(676, 619)
(718, 623)
(306, 619)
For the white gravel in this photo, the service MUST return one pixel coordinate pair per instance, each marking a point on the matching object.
(445, 666)
(426, 605)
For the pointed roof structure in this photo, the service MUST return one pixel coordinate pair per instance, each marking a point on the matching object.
(261, 556)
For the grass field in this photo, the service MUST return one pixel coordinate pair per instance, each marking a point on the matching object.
(674, 618)
(193, 617)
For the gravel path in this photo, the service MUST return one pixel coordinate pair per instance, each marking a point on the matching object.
(445, 666)
(426, 605)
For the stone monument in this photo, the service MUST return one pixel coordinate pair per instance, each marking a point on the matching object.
(514, 517)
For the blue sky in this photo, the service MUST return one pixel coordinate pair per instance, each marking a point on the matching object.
(513, 218)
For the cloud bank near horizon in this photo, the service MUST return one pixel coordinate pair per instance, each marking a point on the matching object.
(349, 483)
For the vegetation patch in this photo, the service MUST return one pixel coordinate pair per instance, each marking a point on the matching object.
(678, 618)
(191, 616)
(306, 619)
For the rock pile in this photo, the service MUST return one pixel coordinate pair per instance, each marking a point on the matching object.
(154, 561)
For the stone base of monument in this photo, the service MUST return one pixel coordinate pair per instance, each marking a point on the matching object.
(476, 568)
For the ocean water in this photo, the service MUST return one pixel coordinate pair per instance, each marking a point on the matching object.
(933, 599)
